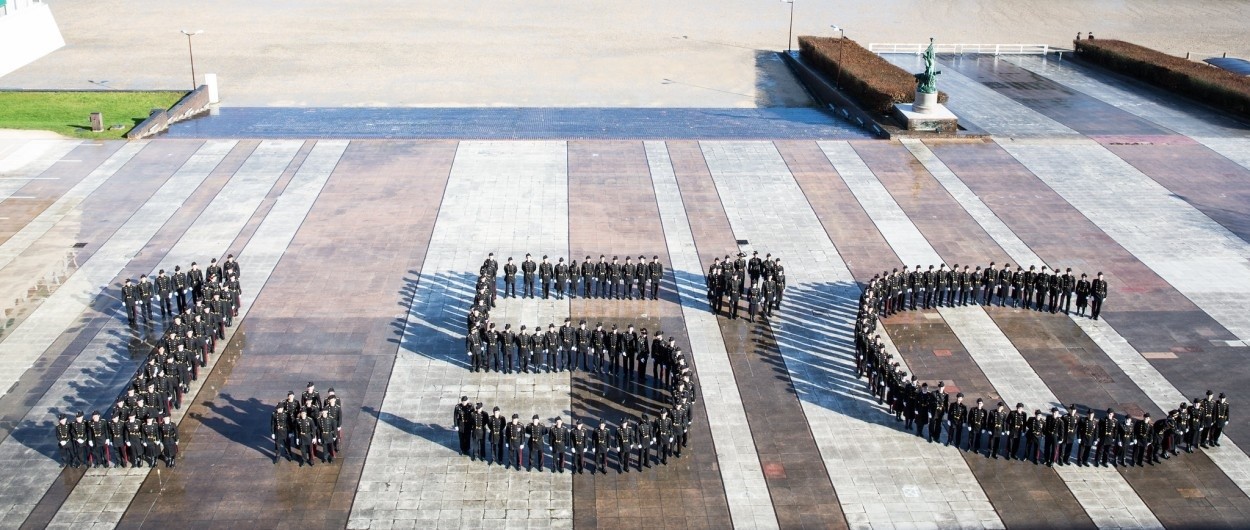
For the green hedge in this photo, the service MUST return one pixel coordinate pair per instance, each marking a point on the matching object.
(873, 81)
(1219, 88)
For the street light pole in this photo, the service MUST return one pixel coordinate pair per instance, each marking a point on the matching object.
(790, 33)
(191, 53)
(841, 43)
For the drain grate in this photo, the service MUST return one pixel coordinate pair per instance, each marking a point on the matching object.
(80, 245)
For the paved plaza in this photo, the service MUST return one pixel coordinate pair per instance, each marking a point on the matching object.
(359, 256)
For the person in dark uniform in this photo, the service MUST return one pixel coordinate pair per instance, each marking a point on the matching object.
(644, 355)
(462, 419)
(524, 346)
(79, 438)
(1220, 414)
(1017, 425)
(1087, 435)
(989, 282)
(169, 441)
(601, 277)
(478, 419)
(528, 268)
(1071, 422)
(509, 278)
(495, 427)
(646, 440)
(535, 434)
(937, 412)
(558, 440)
(996, 425)
(662, 430)
(1125, 441)
(588, 274)
(164, 292)
(490, 349)
(598, 345)
(305, 437)
(568, 346)
(561, 278)
(976, 424)
(956, 414)
(514, 433)
(134, 440)
(1144, 433)
(546, 273)
(1082, 290)
(626, 439)
(1107, 429)
(580, 441)
(490, 270)
(116, 444)
(65, 442)
(130, 300)
(151, 441)
(753, 301)
(753, 268)
(655, 271)
(922, 408)
(1053, 433)
(1067, 283)
(195, 279)
(681, 427)
(551, 345)
(507, 343)
(582, 348)
(147, 292)
(629, 272)
(574, 272)
(616, 281)
(181, 288)
(1035, 432)
(1208, 418)
(602, 441)
(97, 440)
(734, 296)
(279, 432)
(1006, 279)
(1098, 294)
(630, 351)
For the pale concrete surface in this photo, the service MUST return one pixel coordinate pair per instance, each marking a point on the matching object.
(700, 53)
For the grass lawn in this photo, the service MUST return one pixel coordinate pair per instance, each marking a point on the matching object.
(68, 113)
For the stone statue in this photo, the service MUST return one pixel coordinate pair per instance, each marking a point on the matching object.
(928, 79)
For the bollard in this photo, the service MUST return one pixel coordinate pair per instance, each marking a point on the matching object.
(97, 122)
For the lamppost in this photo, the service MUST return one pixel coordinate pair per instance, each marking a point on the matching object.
(790, 33)
(191, 53)
(841, 43)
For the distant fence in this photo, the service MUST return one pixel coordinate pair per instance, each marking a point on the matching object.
(11, 6)
(962, 49)
(190, 106)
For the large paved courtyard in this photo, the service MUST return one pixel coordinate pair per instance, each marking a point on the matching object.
(358, 259)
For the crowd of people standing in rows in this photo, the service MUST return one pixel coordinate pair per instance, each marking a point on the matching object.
(140, 429)
(1055, 438)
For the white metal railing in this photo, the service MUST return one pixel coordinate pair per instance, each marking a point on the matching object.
(962, 49)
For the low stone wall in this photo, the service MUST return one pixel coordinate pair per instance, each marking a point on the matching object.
(827, 95)
(190, 106)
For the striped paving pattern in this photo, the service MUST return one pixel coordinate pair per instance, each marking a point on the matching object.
(359, 257)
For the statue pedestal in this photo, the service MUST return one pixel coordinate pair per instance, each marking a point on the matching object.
(925, 102)
(935, 117)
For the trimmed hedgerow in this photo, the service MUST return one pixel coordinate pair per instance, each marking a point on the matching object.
(1219, 88)
(875, 83)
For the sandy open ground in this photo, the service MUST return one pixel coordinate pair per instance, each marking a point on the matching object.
(691, 53)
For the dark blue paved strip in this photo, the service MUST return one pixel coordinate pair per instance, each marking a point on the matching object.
(519, 123)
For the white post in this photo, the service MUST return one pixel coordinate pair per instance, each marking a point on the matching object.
(210, 80)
